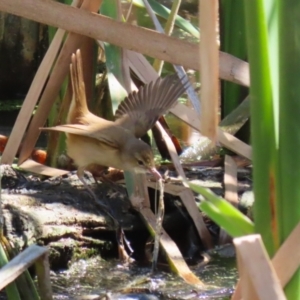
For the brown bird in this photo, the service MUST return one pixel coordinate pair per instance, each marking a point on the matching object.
(92, 140)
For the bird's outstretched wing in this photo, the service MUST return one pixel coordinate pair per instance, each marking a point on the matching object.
(140, 110)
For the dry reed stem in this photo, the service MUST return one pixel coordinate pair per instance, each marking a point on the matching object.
(124, 35)
(209, 71)
(234, 144)
(173, 254)
(186, 194)
(35, 167)
(146, 73)
(230, 181)
(258, 277)
(58, 74)
(20, 263)
(286, 261)
(31, 99)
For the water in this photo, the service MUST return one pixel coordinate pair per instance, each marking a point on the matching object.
(87, 279)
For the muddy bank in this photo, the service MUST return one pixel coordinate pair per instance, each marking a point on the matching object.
(61, 214)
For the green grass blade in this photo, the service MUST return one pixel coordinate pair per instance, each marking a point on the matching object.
(289, 139)
(218, 217)
(233, 41)
(223, 213)
(262, 125)
(11, 290)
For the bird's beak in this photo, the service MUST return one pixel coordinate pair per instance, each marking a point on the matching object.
(155, 173)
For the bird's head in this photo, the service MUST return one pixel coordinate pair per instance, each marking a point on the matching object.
(138, 155)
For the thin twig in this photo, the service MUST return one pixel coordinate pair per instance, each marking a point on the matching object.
(159, 221)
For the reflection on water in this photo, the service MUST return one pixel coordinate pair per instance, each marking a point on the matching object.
(89, 279)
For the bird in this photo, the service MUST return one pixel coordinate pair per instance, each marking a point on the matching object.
(94, 141)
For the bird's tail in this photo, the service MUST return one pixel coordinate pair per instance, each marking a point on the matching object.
(79, 104)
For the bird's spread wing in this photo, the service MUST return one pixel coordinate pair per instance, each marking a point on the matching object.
(106, 132)
(140, 110)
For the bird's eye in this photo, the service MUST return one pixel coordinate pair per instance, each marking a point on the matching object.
(140, 163)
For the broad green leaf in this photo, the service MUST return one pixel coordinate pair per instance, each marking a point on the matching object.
(223, 213)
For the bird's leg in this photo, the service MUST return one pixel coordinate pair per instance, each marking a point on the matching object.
(96, 171)
(80, 174)
(100, 175)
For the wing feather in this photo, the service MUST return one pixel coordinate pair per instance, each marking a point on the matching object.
(140, 110)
